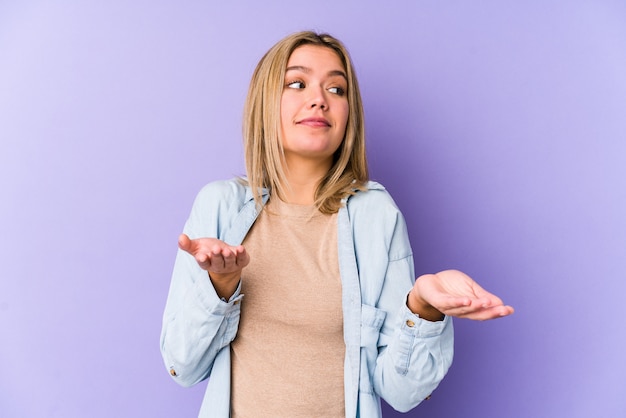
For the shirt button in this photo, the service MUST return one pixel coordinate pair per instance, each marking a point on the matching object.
(410, 323)
(236, 302)
(173, 373)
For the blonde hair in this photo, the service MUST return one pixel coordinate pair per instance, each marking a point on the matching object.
(262, 133)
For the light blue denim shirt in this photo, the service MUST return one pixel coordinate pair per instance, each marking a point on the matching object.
(390, 352)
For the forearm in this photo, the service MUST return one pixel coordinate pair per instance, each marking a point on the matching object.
(197, 324)
(415, 361)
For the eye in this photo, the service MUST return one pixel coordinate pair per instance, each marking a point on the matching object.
(337, 90)
(295, 85)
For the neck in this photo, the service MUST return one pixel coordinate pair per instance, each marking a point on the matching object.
(302, 179)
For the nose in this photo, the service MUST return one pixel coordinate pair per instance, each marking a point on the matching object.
(318, 99)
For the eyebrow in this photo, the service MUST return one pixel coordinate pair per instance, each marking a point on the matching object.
(308, 70)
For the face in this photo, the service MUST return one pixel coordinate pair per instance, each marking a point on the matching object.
(314, 105)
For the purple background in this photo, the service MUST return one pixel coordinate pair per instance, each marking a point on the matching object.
(499, 127)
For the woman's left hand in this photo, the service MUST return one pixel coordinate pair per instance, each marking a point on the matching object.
(454, 293)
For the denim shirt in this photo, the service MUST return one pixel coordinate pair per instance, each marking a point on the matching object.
(390, 352)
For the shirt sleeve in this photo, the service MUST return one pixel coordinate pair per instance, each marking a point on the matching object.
(413, 356)
(197, 324)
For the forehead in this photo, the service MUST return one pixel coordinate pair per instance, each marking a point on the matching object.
(311, 56)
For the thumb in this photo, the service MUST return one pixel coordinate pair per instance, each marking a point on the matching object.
(184, 243)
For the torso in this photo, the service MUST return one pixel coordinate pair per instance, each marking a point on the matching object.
(288, 356)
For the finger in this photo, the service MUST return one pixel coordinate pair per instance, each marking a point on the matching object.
(238, 250)
(203, 259)
(230, 259)
(242, 257)
(460, 301)
(463, 306)
(451, 303)
(184, 243)
(483, 314)
(507, 310)
(490, 313)
(486, 302)
(228, 253)
(217, 263)
(230, 266)
(490, 297)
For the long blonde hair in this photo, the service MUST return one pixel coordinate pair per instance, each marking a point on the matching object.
(262, 134)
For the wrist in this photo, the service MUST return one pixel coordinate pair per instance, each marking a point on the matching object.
(225, 284)
(420, 307)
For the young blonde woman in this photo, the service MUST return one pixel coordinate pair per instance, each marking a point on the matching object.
(293, 290)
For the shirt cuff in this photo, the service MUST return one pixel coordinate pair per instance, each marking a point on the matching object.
(413, 324)
(211, 301)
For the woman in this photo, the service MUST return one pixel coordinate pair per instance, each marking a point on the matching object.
(332, 318)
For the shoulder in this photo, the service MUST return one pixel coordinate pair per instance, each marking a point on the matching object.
(374, 198)
(233, 189)
(373, 209)
(222, 194)
(222, 197)
(373, 213)
(216, 206)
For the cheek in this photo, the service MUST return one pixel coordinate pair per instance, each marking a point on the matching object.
(345, 112)
(287, 112)
(284, 115)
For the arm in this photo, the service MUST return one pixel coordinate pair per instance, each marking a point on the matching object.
(404, 355)
(414, 354)
(197, 322)
(202, 312)
(420, 353)
(416, 341)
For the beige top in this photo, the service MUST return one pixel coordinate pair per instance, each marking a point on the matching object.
(288, 356)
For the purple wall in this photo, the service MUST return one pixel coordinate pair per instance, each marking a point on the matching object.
(499, 126)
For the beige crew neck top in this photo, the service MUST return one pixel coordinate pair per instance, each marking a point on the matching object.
(288, 356)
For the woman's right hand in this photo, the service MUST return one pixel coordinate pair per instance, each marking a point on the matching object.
(223, 262)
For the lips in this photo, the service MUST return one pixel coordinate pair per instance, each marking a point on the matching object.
(314, 122)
